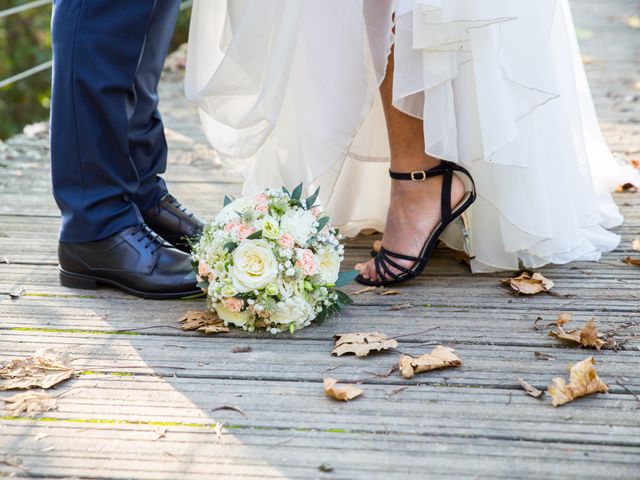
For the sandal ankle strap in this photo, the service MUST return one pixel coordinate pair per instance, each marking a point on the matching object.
(422, 175)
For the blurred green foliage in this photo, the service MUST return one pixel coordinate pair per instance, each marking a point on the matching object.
(25, 41)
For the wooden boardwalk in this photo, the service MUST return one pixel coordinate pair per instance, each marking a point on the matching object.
(147, 398)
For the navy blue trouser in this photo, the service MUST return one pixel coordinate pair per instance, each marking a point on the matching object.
(107, 139)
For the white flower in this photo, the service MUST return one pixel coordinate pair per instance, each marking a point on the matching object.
(298, 224)
(254, 266)
(328, 264)
(294, 309)
(239, 319)
(229, 212)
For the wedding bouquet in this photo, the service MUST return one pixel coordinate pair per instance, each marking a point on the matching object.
(271, 262)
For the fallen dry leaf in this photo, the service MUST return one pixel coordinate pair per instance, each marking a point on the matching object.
(587, 59)
(636, 244)
(635, 163)
(626, 188)
(159, 433)
(343, 393)
(207, 322)
(530, 389)
(583, 380)
(543, 356)
(32, 403)
(45, 369)
(563, 318)
(440, 357)
(528, 284)
(586, 336)
(362, 343)
(386, 292)
(364, 290)
(632, 261)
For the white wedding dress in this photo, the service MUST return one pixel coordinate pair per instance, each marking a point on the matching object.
(288, 92)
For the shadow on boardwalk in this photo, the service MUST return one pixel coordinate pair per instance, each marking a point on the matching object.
(147, 399)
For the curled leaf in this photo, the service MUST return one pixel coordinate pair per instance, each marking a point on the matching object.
(583, 380)
(45, 369)
(342, 393)
(586, 336)
(632, 261)
(530, 389)
(31, 403)
(440, 357)
(528, 284)
(361, 344)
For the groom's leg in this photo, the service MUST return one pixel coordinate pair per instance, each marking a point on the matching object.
(147, 143)
(97, 46)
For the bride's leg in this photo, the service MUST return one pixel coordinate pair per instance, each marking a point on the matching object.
(414, 207)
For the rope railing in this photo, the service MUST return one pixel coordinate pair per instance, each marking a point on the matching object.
(45, 65)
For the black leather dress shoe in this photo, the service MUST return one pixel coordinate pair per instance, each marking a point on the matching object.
(173, 222)
(136, 260)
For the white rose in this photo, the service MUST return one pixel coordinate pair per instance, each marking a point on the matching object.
(298, 224)
(229, 212)
(254, 266)
(296, 310)
(238, 319)
(328, 264)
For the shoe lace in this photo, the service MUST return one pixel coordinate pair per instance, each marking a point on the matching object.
(173, 201)
(153, 240)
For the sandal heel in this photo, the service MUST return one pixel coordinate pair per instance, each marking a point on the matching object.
(72, 280)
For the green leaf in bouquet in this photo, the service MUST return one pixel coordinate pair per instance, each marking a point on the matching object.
(286, 190)
(203, 284)
(255, 235)
(322, 316)
(346, 277)
(231, 246)
(297, 192)
(322, 223)
(312, 199)
(292, 328)
(343, 298)
(227, 200)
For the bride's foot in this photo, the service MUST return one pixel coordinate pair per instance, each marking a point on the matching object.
(414, 212)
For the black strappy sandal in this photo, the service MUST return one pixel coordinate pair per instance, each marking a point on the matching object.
(384, 259)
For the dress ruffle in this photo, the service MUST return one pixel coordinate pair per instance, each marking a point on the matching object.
(288, 93)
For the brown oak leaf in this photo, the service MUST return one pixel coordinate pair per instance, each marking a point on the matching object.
(583, 380)
(207, 322)
(44, 369)
(529, 284)
(361, 344)
(342, 393)
(440, 357)
(32, 402)
(586, 336)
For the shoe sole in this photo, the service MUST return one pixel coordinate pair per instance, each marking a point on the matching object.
(87, 282)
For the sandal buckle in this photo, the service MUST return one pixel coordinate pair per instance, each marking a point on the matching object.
(418, 176)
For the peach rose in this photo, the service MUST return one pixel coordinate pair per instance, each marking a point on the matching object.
(244, 231)
(286, 241)
(203, 270)
(307, 262)
(233, 304)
